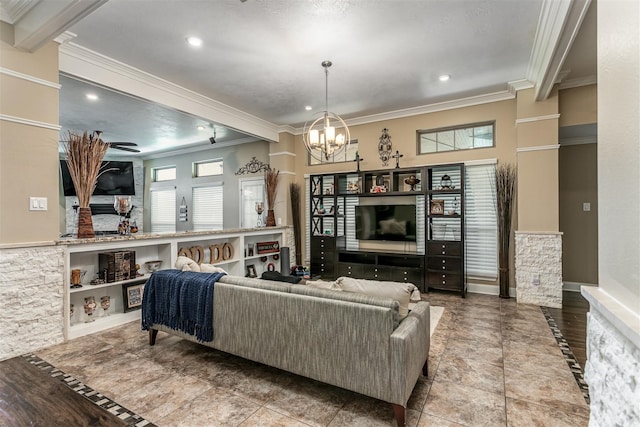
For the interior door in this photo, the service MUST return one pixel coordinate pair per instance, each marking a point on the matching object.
(251, 192)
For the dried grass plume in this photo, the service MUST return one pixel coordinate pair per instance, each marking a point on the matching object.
(271, 183)
(84, 157)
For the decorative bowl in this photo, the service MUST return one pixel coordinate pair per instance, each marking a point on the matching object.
(152, 266)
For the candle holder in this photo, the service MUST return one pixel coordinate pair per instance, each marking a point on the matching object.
(259, 210)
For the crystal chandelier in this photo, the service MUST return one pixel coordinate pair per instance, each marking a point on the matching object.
(320, 137)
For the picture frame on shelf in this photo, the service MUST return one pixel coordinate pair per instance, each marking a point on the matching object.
(132, 294)
(436, 207)
(251, 270)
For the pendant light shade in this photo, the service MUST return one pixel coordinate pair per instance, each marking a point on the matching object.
(326, 134)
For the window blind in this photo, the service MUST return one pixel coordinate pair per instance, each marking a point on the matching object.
(481, 230)
(207, 208)
(163, 210)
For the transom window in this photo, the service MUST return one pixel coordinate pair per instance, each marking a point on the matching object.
(463, 137)
(208, 168)
(166, 173)
(347, 155)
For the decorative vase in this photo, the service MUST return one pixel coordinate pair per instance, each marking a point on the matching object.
(89, 306)
(85, 224)
(105, 303)
(271, 218)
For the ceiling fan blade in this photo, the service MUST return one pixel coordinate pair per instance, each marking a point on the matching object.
(126, 144)
(132, 150)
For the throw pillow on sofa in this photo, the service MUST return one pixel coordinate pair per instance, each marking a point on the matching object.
(324, 284)
(400, 292)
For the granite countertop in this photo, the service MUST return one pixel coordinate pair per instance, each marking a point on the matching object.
(144, 236)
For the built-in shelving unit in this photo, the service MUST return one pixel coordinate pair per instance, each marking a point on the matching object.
(336, 251)
(228, 250)
(445, 217)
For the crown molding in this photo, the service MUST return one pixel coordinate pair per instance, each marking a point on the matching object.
(518, 85)
(426, 109)
(12, 11)
(558, 27)
(29, 122)
(65, 37)
(578, 82)
(171, 152)
(92, 66)
(47, 19)
(29, 78)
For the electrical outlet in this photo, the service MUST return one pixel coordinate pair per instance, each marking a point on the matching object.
(586, 207)
(536, 280)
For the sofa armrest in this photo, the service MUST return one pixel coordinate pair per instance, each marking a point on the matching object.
(409, 349)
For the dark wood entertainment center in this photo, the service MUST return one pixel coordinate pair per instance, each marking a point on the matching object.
(431, 256)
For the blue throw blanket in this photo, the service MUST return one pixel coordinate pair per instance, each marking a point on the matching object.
(180, 300)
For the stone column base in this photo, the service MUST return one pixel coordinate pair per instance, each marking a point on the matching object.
(538, 267)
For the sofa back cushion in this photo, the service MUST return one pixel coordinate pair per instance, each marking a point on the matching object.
(393, 305)
(253, 282)
(398, 291)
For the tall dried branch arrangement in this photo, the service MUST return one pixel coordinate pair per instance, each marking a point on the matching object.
(296, 213)
(84, 158)
(505, 200)
(271, 183)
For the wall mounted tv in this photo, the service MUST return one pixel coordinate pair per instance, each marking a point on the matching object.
(386, 222)
(116, 181)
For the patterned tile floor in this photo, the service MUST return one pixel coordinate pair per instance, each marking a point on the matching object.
(492, 362)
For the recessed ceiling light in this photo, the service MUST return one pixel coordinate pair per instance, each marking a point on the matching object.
(194, 41)
(92, 96)
(444, 77)
(308, 107)
(201, 127)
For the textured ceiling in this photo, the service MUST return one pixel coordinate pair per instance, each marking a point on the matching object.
(263, 57)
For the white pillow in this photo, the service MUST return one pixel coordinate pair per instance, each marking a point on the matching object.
(323, 284)
(400, 292)
(184, 263)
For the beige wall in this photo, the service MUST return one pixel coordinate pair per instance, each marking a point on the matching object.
(578, 105)
(28, 152)
(537, 189)
(404, 139)
(579, 184)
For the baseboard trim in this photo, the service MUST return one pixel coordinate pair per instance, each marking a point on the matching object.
(575, 286)
(476, 288)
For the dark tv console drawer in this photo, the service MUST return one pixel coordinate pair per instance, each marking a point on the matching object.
(405, 268)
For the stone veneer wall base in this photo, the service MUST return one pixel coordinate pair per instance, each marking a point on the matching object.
(538, 266)
(32, 295)
(613, 361)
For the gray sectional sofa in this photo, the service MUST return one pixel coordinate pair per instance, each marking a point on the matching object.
(349, 340)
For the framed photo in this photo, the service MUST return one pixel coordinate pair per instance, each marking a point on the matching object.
(436, 207)
(132, 296)
(251, 271)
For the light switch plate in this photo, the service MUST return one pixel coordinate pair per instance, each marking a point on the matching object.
(37, 203)
(586, 207)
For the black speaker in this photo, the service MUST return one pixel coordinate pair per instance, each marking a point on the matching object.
(285, 265)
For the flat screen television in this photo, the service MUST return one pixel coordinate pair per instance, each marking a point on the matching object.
(386, 222)
(116, 181)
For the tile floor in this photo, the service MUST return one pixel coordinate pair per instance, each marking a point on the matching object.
(492, 363)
